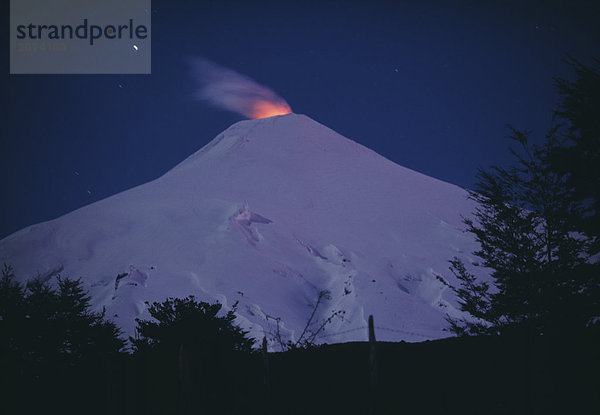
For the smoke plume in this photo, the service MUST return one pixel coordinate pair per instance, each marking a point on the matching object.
(226, 89)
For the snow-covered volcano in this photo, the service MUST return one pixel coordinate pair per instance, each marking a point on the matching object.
(269, 213)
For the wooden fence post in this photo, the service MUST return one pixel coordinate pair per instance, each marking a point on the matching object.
(266, 379)
(130, 386)
(108, 373)
(372, 368)
(184, 379)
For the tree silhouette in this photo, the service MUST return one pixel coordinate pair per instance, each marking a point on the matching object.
(579, 156)
(185, 321)
(537, 225)
(45, 325)
(52, 342)
(209, 350)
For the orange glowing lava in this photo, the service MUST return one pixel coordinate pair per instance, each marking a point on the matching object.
(265, 109)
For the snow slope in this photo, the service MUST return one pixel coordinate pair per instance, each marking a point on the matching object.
(269, 213)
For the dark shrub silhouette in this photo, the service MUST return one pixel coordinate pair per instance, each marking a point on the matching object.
(51, 342)
(186, 321)
(537, 226)
(190, 345)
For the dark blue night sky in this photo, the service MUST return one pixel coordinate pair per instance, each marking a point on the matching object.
(429, 85)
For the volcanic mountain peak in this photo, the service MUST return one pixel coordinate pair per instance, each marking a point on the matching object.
(270, 213)
(294, 137)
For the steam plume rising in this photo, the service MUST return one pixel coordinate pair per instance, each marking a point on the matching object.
(226, 89)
